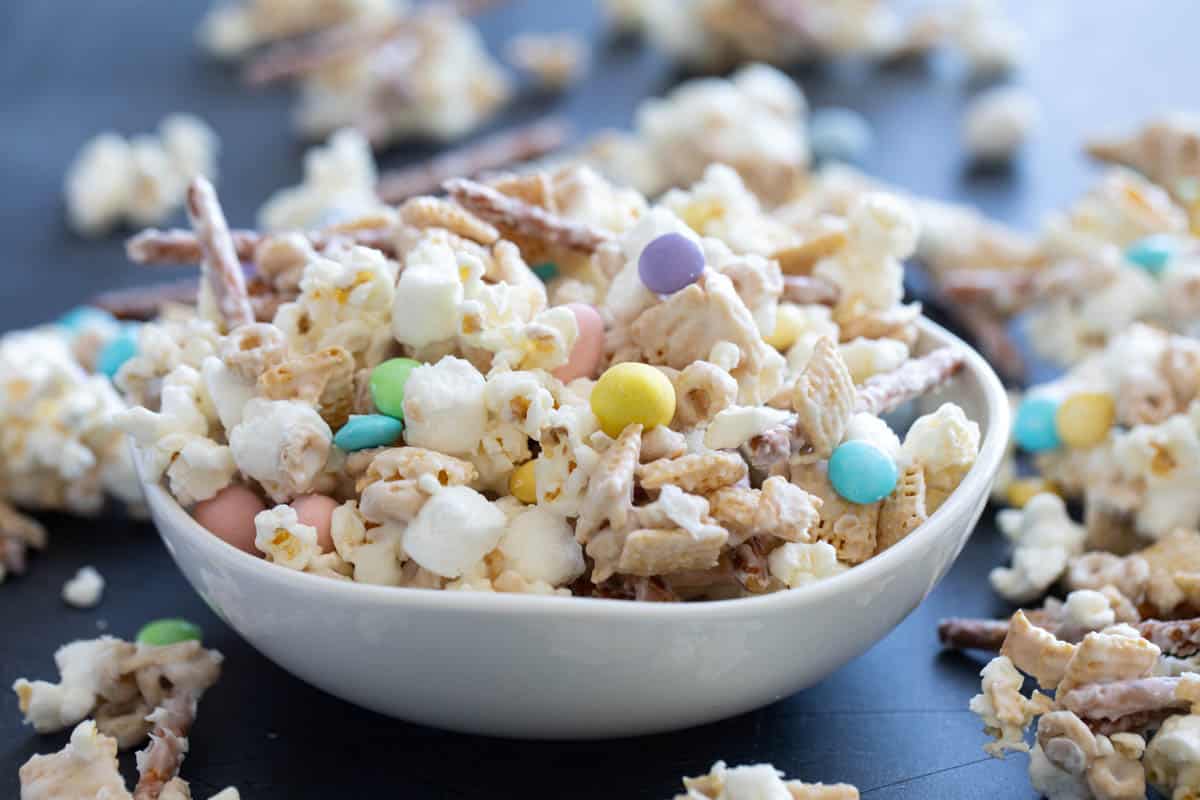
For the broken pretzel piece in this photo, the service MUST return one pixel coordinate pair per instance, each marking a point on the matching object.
(524, 218)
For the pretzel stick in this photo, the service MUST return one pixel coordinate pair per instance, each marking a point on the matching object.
(991, 335)
(492, 153)
(883, 392)
(292, 58)
(968, 633)
(175, 246)
(992, 286)
(1137, 722)
(144, 302)
(1111, 701)
(220, 266)
(159, 762)
(806, 291)
(530, 220)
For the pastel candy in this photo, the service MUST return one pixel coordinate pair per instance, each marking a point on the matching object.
(522, 484)
(317, 510)
(387, 385)
(629, 393)
(230, 515)
(83, 316)
(116, 352)
(368, 430)
(669, 263)
(589, 347)
(1034, 428)
(547, 271)
(861, 472)
(1152, 253)
(1084, 419)
(162, 632)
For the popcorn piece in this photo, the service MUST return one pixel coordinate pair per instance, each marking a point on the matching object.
(800, 563)
(445, 406)
(1044, 538)
(867, 357)
(759, 782)
(139, 180)
(231, 29)
(85, 667)
(868, 270)
(455, 529)
(1004, 711)
(1165, 458)
(556, 61)
(946, 444)
(1173, 756)
(540, 546)
(85, 589)
(282, 444)
(86, 767)
(998, 122)
(284, 539)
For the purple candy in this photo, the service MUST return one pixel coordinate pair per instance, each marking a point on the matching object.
(669, 263)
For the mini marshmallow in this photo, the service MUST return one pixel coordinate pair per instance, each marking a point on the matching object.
(279, 534)
(428, 296)
(1088, 610)
(454, 530)
(445, 408)
(541, 546)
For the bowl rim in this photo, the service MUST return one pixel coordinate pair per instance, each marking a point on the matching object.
(166, 511)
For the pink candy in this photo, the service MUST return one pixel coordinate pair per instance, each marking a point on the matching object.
(589, 347)
(317, 510)
(229, 514)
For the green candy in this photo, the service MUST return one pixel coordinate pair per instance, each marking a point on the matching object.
(168, 631)
(387, 385)
(547, 271)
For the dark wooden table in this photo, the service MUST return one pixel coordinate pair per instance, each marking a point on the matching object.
(894, 722)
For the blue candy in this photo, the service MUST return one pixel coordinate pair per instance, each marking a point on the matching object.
(1034, 427)
(368, 430)
(80, 317)
(1152, 253)
(861, 472)
(119, 349)
(546, 271)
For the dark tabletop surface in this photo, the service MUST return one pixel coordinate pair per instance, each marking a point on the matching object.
(894, 722)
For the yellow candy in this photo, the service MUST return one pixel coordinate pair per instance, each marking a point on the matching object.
(788, 322)
(631, 392)
(1084, 419)
(522, 484)
(1022, 490)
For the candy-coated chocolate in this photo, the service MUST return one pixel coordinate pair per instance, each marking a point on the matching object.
(116, 352)
(82, 316)
(522, 483)
(387, 385)
(788, 323)
(1084, 419)
(229, 514)
(669, 263)
(316, 510)
(861, 472)
(368, 430)
(632, 392)
(1153, 253)
(162, 632)
(1034, 428)
(1022, 490)
(589, 347)
(547, 271)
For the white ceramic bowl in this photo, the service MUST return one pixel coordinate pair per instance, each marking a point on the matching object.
(537, 667)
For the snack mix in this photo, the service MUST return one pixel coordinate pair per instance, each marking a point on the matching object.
(652, 410)
(119, 695)
(755, 781)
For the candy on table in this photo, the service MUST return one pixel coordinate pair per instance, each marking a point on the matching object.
(139, 181)
(134, 691)
(425, 414)
(163, 632)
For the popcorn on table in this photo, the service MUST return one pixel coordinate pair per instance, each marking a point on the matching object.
(85, 589)
(140, 180)
(427, 416)
(755, 781)
(233, 28)
(554, 61)
(998, 122)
